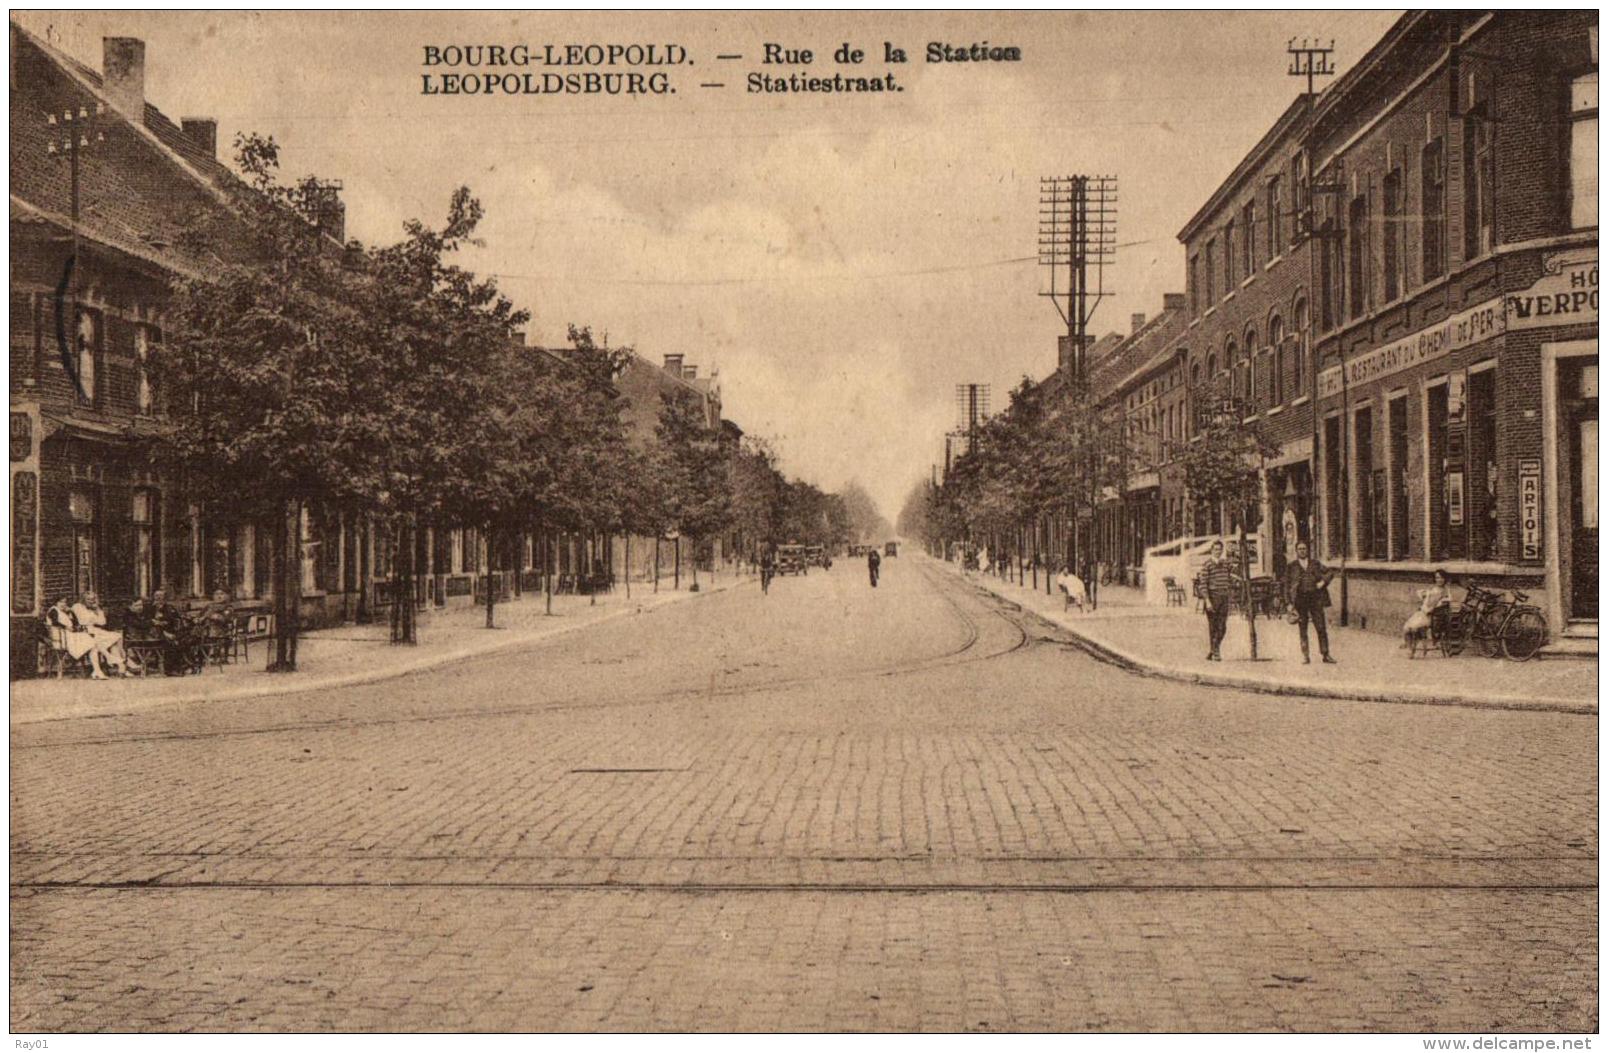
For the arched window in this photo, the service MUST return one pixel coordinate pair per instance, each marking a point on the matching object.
(1275, 337)
(1248, 376)
(1298, 382)
(1225, 380)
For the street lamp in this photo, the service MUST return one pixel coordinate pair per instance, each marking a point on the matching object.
(71, 132)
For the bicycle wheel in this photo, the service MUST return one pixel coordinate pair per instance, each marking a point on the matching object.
(1524, 634)
(1456, 636)
(1489, 630)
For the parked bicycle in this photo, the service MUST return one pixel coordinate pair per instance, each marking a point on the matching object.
(1496, 624)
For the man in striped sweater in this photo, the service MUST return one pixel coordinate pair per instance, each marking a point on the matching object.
(1215, 583)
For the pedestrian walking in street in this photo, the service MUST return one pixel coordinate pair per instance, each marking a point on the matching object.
(873, 563)
(1306, 583)
(1215, 583)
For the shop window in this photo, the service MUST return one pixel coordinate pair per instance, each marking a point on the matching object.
(1482, 470)
(1448, 448)
(456, 563)
(1583, 151)
(1432, 209)
(1397, 496)
(1333, 491)
(1367, 484)
(143, 513)
(81, 511)
(1392, 234)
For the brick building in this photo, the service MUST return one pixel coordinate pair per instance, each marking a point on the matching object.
(1454, 194)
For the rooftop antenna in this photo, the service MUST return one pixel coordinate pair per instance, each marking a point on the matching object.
(1310, 60)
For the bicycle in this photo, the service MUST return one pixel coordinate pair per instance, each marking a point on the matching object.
(1521, 628)
(1466, 624)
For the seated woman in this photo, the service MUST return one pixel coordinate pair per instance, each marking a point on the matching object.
(217, 619)
(73, 639)
(1431, 599)
(109, 642)
(1071, 587)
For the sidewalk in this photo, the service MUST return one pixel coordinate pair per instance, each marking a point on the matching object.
(345, 655)
(1171, 642)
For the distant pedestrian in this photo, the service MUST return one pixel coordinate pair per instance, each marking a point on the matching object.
(1215, 583)
(873, 563)
(1306, 583)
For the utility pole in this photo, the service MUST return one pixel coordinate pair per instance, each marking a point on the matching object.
(1077, 235)
(69, 136)
(1311, 60)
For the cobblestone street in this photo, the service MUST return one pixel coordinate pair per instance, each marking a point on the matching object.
(830, 807)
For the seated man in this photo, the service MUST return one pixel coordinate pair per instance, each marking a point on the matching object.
(217, 620)
(177, 635)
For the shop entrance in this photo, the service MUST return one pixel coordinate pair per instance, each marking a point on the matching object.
(1577, 390)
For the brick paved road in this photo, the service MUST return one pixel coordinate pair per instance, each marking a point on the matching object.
(826, 808)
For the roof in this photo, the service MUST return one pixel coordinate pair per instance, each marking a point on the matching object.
(1282, 128)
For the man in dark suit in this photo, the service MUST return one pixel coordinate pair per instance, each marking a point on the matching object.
(1306, 583)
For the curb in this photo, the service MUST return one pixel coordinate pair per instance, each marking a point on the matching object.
(291, 687)
(1105, 652)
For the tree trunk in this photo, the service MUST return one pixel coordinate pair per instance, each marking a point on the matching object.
(656, 563)
(491, 577)
(1245, 579)
(287, 571)
(695, 565)
(678, 561)
(549, 557)
(627, 564)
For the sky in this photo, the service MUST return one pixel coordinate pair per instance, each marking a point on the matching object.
(843, 260)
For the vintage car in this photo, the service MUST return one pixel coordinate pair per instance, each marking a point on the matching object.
(815, 556)
(790, 559)
(891, 549)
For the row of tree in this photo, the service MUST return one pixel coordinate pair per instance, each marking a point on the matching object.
(1059, 452)
(388, 383)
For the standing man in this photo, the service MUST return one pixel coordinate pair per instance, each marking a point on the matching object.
(1216, 585)
(873, 563)
(1306, 583)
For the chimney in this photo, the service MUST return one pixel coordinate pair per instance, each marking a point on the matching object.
(519, 337)
(689, 372)
(203, 132)
(1138, 322)
(1173, 301)
(672, 364)
(123, 75)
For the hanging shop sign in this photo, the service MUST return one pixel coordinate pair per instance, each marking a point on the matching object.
(1565, 294)
(1530, 510)
(1461, 330)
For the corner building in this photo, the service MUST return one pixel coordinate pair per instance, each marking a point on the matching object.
(1451, 210)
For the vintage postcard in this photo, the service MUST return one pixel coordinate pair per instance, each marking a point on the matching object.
(832, 522)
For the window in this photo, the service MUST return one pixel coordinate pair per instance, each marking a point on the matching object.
(1433, 209)
(143, 514)
(143, 338)
(90, 333)
(1194, 285)
(1248, 221)
(1275, 337)
(1298, 382)
(1482, 470)
(1210, 283)
(1275, 217)
(1392, 233)
(1583, 151)
(1479, 179)
(1230, 275)
(1357, 275)
(1334, 504)
(1328, 275)
(81, 509)
(1249, 379)
(1368, 480)
(1225, 380)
